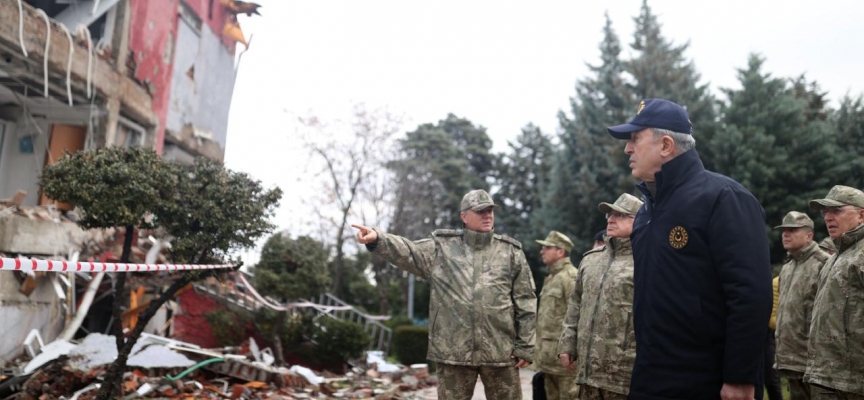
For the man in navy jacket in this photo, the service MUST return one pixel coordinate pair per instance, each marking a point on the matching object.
(702, 277)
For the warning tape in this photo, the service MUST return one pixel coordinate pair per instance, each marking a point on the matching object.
(25, 264)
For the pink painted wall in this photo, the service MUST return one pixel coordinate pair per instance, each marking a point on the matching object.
(152, 36)
(153, 39)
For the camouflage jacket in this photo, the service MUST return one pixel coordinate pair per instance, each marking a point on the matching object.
(482, 303)
(598, 327)
(799, 279)
(550, 316)
(836, 344)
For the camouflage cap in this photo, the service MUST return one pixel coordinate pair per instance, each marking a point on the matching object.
(627, 204)
(477, 200)
(795, 219)
(557, 239)
(840, 196)
(827, 244)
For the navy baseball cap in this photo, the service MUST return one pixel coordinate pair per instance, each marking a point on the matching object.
(655, 113)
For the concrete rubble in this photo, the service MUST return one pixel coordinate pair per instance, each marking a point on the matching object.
(169, 369)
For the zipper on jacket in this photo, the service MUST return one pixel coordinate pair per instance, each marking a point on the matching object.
(597, 305)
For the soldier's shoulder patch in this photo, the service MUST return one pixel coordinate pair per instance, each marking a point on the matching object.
(508, 239)
(597, 250)
(447, 232)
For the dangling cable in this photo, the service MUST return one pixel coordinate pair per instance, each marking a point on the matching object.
(21, 27)
(47, 46)
(86, 31)
(95, 6)
(69, 64)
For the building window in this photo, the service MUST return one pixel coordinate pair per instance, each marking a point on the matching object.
(130, 134)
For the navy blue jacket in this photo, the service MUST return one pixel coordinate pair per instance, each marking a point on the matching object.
(702, 285)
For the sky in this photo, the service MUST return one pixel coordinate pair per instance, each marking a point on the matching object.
(500, 64)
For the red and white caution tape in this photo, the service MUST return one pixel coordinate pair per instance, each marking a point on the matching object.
(23, 264)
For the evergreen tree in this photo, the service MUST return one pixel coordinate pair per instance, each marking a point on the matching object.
(660, 70)
(591, 165)
(848, 122)
(521, 174)
(776, 143)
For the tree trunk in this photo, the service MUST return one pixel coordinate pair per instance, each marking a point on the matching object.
(112, 379)
(382, 283)
(277, 339)
(111, 386)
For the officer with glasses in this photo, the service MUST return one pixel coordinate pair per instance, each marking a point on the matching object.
(835, 347)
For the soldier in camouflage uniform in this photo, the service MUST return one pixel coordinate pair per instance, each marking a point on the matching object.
(482, 306)
(598, 332)
(560, 382)
(835, 349)
(798, 281)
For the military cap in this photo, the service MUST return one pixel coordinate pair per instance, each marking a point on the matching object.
(655, 113)
(840, 196)
(557, 239)
(477, 200)
(827, 244)
(795, 219)
(627, 204)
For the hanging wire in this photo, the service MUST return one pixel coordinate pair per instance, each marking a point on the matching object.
(69, 63)
(21, 27)
(47, 47)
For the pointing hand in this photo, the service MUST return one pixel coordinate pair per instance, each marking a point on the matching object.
(365, 235)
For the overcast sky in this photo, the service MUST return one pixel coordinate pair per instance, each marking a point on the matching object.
(500, 64)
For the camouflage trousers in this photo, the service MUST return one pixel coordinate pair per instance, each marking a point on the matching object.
(456, 382)
(798, 389)
(592, 393)
(823, 393)
(561, 387)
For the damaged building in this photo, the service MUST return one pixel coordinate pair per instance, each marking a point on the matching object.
(83, 74)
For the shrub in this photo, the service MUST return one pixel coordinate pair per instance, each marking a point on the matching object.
(342, 338)
(399, 320)
(229, 328)
(410, 344)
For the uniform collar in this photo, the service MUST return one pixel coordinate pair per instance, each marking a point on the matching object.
(559, 265)
(619, 246)
(849, 239)
(476, 240)
(673, 173)
(804, 253)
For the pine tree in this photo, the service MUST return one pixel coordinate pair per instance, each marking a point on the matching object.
(848, 122)
(776, 143)
(521, 174)
(591, 165)
(660, 70)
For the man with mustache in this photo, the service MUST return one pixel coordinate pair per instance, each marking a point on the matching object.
(702, 275)
(482, 306)
(798, 282)
(835, 347)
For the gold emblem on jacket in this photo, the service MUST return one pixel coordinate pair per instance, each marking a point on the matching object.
(678, 237)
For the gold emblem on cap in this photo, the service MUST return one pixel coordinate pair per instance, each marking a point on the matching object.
(678, 237)
(641, 107)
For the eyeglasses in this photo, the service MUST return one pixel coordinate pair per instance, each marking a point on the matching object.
(618, 215)
(835, 211)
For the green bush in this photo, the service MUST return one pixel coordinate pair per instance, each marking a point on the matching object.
(342, 338)
(228, 328)
(410, 344)
(399, 320)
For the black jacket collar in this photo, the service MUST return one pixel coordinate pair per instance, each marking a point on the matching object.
(673, 173)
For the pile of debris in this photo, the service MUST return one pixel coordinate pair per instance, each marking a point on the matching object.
(165, 368)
